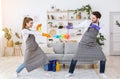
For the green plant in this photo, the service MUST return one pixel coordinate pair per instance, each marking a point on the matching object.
(100, 39)
(117, 23)
(86, 8)
(18, 36)
(18, 43)
(7, 33)
(50, 23)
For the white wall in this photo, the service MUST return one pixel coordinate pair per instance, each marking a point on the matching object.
(15, 10)
(0, 29)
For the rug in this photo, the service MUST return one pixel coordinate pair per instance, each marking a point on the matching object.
(41, 74)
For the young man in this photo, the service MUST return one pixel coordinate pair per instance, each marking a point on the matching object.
(88, 49)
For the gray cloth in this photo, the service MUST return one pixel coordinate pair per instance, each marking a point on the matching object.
(88, 49)
(70, 47)
(34, 57)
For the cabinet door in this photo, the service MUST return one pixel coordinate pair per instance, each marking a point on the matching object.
(114, 33)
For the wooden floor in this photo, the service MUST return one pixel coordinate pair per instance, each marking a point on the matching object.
(112, 67)
(8, 66)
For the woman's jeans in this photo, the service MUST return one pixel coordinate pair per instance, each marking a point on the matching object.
(20, 68)
(74, 62)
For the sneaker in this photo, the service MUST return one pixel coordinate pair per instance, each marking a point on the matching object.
(48, 74)
(103, 76)
(15, 75)
(69, 75)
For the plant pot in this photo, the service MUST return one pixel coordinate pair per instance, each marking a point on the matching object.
(78, 16)
(50, 25)
(10, 43)
(19, 45)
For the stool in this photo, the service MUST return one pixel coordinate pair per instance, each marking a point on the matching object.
(8, 51)
(18, 51)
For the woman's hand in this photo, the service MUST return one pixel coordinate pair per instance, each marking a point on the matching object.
(46, 35)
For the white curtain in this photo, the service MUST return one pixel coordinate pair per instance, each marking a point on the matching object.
(1, 33)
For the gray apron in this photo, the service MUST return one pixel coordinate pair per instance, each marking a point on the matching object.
(34, 57)
(88, 49)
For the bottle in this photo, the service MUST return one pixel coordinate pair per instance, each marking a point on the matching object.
(54, 66)
(57, 66)
(46, 67)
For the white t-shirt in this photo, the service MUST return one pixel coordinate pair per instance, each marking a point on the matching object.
(25, 34)
(84, 25)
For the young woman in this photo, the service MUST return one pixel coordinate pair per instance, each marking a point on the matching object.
(88, 49)
(34, 57)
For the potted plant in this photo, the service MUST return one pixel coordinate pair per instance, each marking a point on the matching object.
(8, 36)
(50, 24)
(18, 43)
(86, 8)
(100, 39)
(78, 13)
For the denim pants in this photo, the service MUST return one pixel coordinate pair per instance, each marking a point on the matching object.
(74, 62)
(20, 68)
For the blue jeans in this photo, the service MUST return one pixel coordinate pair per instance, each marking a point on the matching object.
(74, 62)
(20, 68)
(102, 66)
(72, 66)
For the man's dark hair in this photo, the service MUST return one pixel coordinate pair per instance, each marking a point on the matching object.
(97, 14)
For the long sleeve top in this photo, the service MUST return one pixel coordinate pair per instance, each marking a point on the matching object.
(25, 34)
(84, 25)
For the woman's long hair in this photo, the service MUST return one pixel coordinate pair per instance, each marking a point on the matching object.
(26, 20)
